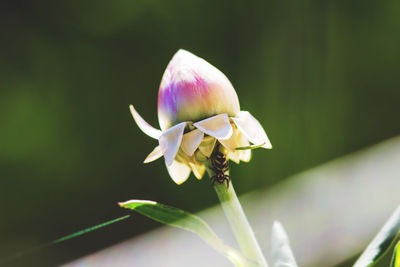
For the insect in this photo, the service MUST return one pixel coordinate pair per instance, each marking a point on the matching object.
(220, 166)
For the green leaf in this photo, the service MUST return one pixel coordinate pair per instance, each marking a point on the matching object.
(33, 250)
(187, 221)
(382, 242)
(396, 256)
(87, 230)
(249, 147)
(281, 252)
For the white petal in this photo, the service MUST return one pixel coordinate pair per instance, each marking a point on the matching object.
(207, 146)
(155, 154)
(198, 169)
(237, 140)
(191, 141)
(217, 126)
(178, 171)
(234, 141)
(238, 156)
(230, 143)
(143, 125)
(170, 141)
(234, 156)
(245, 155)
(252, 129)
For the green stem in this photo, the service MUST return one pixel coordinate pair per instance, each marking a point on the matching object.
(239, 223)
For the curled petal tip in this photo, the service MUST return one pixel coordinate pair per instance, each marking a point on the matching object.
(143, 125)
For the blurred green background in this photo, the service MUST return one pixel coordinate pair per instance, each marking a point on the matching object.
(322, 77)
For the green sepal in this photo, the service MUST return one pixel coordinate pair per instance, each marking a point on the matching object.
(249, 147)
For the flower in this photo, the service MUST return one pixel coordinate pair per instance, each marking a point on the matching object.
(198, 107)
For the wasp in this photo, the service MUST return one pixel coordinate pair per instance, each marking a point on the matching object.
(220, 166)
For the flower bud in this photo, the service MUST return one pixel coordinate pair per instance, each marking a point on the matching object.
(199, 114)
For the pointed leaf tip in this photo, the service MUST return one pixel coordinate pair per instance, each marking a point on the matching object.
(282, 255)
(134, 203)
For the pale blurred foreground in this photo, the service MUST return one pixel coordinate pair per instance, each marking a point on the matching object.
(330, 213)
